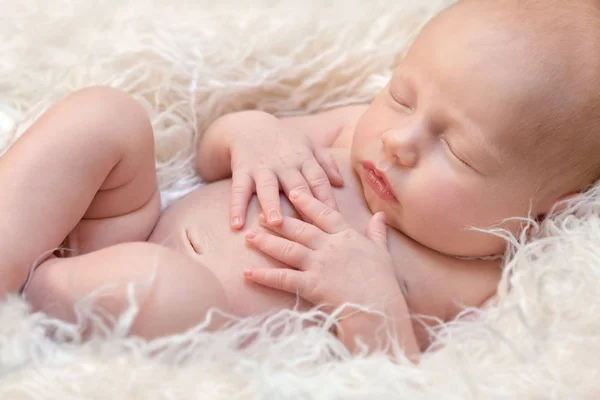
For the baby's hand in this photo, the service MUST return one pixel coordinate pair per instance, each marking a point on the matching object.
(263, 160)
(330, 263)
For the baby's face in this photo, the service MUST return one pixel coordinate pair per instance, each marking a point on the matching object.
(445, 146)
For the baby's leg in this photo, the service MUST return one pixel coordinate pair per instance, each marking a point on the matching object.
(85, 170)
(173, 292)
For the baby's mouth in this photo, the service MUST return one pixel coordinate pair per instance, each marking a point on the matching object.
(378, 181)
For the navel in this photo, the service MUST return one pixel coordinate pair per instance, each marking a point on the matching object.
(199, 241)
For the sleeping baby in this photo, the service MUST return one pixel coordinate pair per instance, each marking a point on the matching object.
(494, 113)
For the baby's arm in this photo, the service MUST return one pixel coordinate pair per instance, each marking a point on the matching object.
(213, 160)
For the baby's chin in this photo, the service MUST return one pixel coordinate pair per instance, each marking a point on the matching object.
(480, 248)
(469, 245)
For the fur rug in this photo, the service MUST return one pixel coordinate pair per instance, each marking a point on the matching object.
(190, 61)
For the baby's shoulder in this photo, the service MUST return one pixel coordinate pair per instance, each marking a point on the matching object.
(352, 115)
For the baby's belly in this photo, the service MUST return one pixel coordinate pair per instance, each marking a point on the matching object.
(198, 226)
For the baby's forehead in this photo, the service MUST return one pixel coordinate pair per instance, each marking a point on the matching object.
(555, 34)
(523, 55)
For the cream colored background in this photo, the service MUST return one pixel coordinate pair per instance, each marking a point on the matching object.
(190, 61)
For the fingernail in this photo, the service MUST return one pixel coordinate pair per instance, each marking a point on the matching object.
(274, 216)
(261, 218)
(294, 194)
(251, 234)
(236, 221)
(247, 272)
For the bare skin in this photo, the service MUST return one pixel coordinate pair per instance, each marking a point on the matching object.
(89, 162)
(424, 157)
(461, 138)
(190, 250)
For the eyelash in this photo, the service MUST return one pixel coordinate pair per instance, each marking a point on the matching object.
(443, 139)
(398, 101)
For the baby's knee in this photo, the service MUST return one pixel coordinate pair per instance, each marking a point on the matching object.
(172, 292)
(113, 114)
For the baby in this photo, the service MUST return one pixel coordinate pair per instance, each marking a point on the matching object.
(493, 113)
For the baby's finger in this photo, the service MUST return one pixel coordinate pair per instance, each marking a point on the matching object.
(286, 280)
(319, 183)
(292, 179)
(284, 250)
(267, 191)
(242, 187)
(377, 230)
(318, 212)
(326, 160)
(297, 231)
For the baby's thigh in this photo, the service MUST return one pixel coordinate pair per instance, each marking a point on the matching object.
(173, 292)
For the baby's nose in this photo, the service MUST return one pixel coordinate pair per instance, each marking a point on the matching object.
(400, 148)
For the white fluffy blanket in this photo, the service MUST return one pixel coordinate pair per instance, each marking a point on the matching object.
(190, 61)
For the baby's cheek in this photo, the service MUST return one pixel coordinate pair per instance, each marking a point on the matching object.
(437, 220)
(439, 215)
(443, 203)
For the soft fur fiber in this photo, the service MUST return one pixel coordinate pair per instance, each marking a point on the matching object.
(191, 61)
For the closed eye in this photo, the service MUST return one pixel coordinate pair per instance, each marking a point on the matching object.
(399, 100)
(453, 153)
